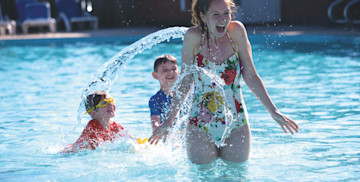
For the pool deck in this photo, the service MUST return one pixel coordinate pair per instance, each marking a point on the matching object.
(142, 31)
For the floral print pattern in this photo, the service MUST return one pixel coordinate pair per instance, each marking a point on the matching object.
(211, 103)
(228, 76)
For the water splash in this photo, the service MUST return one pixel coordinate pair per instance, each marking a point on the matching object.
(108, 73)
(186, 105)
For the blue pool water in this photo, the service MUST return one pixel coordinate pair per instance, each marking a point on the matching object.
(315, 80)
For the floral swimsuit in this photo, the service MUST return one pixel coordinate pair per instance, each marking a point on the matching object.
(218, 109)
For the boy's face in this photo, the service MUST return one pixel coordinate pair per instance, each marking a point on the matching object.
(107, 111)
(166, 74)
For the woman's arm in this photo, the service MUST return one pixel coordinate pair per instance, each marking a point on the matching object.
(191, 38)
(254, 82)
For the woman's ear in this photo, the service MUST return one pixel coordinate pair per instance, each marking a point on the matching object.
(154, 74)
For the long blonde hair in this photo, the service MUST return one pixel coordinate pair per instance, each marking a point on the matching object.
(202, 6)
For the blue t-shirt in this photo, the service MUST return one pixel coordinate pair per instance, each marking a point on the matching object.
(159, 104)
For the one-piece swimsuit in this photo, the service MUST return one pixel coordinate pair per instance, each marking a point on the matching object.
(218, 108)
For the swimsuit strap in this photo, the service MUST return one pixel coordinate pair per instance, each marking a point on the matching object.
(202, 41)
(232, 43)
(227, 33)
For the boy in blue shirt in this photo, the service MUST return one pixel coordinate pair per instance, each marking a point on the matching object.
(166, 71)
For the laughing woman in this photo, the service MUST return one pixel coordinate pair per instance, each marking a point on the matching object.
(220, 46)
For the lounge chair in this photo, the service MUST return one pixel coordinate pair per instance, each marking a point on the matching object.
(35, 14)
(70, 13)
(7, 24)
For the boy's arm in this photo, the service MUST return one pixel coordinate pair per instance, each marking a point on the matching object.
(192, 39)
(154, 107)
(155, 121)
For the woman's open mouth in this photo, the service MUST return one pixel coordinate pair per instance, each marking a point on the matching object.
(220, 28)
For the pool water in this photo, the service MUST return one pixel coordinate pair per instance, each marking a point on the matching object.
(313, 79)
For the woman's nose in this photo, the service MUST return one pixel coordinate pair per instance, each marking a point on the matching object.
(224, 18)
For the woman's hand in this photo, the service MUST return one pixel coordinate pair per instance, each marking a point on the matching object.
(159, 132)
(285, 122)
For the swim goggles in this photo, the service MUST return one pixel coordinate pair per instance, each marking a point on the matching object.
(102, 103)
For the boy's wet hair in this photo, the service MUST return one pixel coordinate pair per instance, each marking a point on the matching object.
(164, 59)
(94, 98)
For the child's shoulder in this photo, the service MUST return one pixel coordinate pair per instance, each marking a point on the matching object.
(93, 123)
(118, 125)
(157, 95)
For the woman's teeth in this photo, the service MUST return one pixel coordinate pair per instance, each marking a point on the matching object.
(220, 28)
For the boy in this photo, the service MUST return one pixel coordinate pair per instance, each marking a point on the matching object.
(166, 71)
(101, 107)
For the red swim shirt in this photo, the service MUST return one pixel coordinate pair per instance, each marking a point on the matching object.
(95, 134)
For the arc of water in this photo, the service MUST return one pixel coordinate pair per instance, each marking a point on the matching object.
(108, 73)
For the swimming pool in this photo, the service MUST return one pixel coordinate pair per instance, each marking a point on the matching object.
(314, 79)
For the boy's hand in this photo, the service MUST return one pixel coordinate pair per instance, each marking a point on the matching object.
(159, 132)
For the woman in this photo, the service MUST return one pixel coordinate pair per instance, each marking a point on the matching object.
(221, 46)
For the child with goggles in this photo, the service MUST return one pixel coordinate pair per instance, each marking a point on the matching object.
(101, 107)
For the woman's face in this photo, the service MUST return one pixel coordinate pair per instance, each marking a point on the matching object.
(217, 18)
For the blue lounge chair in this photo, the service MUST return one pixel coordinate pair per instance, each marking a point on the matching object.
(35, 14)
(7, 24)
(70, 13)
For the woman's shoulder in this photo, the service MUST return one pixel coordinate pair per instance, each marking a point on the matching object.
(236, 25)
(194, 30)
(192, 41)
(236, 28)
(193, 34)
(237, 32)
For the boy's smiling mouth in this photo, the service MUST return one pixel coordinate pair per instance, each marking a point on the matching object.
(170, 77)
